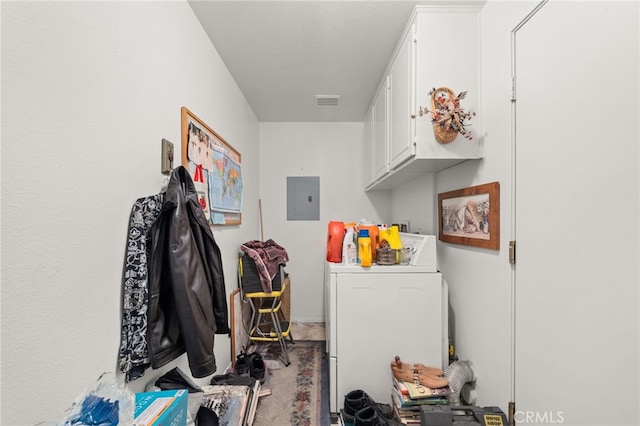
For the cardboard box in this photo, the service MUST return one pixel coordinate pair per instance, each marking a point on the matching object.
(163, 408)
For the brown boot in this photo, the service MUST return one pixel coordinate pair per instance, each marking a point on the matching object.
(416, 368)
(433, 382)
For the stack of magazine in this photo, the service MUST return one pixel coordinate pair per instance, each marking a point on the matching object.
(408, 397)
(233, 398)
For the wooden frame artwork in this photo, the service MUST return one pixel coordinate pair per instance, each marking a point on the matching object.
(470, 216)
(215, 167)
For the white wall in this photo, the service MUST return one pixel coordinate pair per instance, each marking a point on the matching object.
(89, 89)
(333, 152)
(479, 303)
(413, 202)
(480, 280)
(85, 104)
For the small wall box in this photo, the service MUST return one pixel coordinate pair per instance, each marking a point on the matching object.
(166, 164)
(161, 408)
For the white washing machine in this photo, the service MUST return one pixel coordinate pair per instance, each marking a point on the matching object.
(374, 313)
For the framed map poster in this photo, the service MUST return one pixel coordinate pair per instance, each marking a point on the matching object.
(215, 167)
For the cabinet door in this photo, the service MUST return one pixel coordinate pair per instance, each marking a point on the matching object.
(367, 146)
(401, 82)
(453, 65)
(380, 151)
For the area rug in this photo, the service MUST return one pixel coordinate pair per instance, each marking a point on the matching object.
(296, 390)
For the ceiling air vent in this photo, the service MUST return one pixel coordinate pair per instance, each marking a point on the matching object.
(327, 100)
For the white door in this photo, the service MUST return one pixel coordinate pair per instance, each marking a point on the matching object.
(576, 215)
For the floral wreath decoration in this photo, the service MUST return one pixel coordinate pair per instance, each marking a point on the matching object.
(447, 117)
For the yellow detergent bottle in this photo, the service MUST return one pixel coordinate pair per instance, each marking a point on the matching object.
(373, 234)
(364, 247)
(392, 237)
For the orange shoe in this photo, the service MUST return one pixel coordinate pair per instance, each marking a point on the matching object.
(433, 382)
(416, 368)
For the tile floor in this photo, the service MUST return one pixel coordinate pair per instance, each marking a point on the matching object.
(307, 331)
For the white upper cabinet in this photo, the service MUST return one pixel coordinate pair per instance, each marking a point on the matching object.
(367, 155)
(447, 51)
(401, 145)
(440, 47)
(380, 132)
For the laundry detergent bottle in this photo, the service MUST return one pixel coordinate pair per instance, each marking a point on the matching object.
(335, 236)
(373, 234)
(364, 247)
(392, 237)
(350, 245)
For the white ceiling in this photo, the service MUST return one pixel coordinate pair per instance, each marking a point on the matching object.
(283, 53)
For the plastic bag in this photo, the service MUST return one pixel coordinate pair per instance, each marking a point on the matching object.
(105, 403)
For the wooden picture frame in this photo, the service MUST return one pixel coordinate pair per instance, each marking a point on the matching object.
(470, 216)
(215, 167)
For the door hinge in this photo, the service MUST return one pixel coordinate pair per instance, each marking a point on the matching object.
(512, 252)
(512, 414)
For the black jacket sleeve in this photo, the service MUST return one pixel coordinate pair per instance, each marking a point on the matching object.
(188, 303)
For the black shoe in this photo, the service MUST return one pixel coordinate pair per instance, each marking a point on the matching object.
(355, 401)
(256, 366)
(358, 399)
(347, 419)
(242, 367)
(369, 416)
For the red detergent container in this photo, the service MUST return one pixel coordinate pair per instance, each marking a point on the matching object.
(334, 241)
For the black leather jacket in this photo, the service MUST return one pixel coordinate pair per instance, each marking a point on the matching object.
(187, 295)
